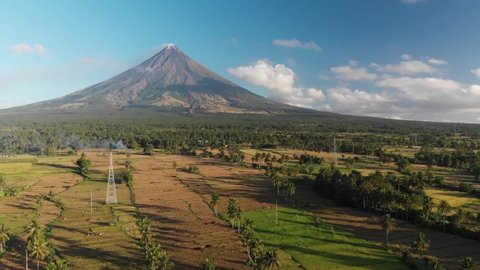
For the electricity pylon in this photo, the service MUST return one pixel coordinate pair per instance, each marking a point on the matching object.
(111, 190)
(335, 160)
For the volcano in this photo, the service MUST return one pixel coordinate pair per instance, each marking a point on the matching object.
(170, 80)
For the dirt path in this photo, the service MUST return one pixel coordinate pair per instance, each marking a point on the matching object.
(182, 223)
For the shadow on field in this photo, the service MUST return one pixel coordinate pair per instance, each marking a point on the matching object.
(113, 258)
(59, 166)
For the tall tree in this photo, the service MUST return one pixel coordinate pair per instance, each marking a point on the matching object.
(39, 250)
(214, 202)
(468, 263)
(388, 225)
(421, 244)
(145, 231)
(57, 264)
(270, 261)
(4, 237)
(208, 264)
(232, 210)
(443, 209)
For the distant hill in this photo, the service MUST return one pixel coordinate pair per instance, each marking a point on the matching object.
(168, 81)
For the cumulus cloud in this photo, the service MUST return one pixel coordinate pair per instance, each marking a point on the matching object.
(24, 48)
(425, 98)
(295, 43)
(280, 81)
(358, 101)
(476, 72)
(407, 67)
(433, 94)
(351, 73)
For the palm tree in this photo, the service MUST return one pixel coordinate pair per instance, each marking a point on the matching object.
(290, 189)
(388, 225)
(443, 209)
(214, 203)
(39, 250)
(33, 230)
(270, 261)
(427, 206)
(232, 209)
(208, 265)
(128, 165)
(460, 218)
(158, 259)
(238, 215)
(4, 237)
(421, 244)
(57, 264)
(152, 252)
(467, 263)
(145, 231)
(164, 261)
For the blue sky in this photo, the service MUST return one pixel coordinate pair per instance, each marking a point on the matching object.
(405, 59)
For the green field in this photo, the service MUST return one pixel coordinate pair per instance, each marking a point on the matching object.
(299, 241)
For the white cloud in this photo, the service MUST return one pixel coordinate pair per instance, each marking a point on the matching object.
(295, 43)
(435, 61)
(24, 48)
(350, 73)
(279, 80)
(425, 98)
(406, 56)
(476, 72)
(433, 94)
(358, 102)
(408, 67)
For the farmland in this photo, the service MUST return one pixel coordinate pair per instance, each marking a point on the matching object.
(177, 203)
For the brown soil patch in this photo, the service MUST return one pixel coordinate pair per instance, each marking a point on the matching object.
(182, 222)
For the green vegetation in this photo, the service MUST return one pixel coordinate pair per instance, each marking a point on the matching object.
(315, 245)
(191, 169)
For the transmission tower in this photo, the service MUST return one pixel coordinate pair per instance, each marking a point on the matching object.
(335, 152)
(111, 190)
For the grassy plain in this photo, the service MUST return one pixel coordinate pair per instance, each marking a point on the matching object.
(312, 245)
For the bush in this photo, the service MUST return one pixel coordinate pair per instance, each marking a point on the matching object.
(192, 169)
(466, 187)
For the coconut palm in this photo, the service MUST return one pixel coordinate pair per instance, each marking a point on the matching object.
(238, 215)
(232, 210)
(443, 209)
(214, 203)
(270, 261)
(145, 231)
(164, 261)
(460, 218)
(158, 259)
(427, 206)
(152, 253)
(208, 264)
(421, 244)
(290, 189)
(4, 237)
(468, 263)
(33, 230)
(57, 264)
(39, 250)
(388, 225)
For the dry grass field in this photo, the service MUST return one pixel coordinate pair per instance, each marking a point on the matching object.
(176, 202)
